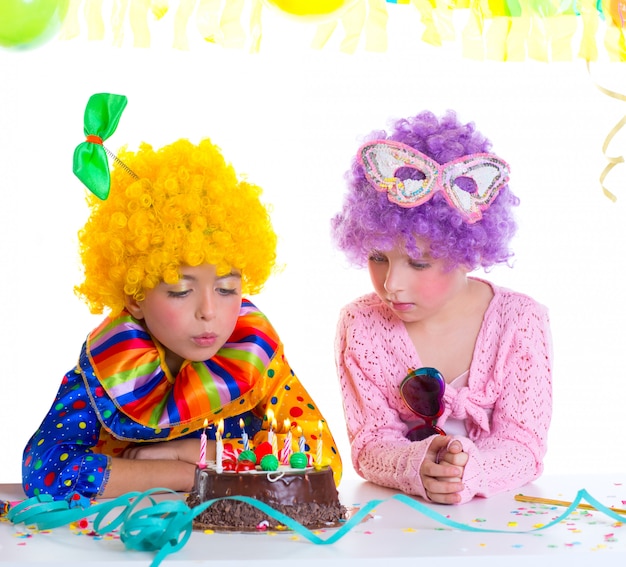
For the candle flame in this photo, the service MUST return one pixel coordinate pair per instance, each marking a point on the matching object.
(241, 423)
(320, 426)
(206, 423)
(220, 427)
(270, 417)
(287, 424)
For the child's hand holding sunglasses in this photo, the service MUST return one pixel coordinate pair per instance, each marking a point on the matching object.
(442, 469)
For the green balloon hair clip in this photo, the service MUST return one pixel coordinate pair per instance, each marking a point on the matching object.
(91, 165)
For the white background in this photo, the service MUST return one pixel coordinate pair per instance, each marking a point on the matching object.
(290, 118)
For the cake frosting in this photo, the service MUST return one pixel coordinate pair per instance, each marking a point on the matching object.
(308, 495)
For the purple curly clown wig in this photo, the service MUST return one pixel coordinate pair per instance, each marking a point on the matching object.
(369, 221)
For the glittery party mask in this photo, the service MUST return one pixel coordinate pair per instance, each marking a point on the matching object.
(469, 183)
(422, 391)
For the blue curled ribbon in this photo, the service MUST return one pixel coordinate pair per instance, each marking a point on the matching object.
(166, 526)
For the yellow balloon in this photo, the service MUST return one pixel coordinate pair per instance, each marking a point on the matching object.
(311, 9)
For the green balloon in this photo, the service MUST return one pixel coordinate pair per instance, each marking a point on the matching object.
(25, 24)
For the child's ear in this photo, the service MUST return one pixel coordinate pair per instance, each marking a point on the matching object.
(133, 307)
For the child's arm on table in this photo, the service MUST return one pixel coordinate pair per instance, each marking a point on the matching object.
(62, 457)
(170, 464)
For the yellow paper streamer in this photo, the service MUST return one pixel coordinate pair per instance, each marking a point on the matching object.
(613, 160)
(208, 21)
(70, 27)
(234, 35)
(501, 30)
(376, 27)
(255, 26)
(431, 33)
(95, 24)
(353, 23)
(138, 13)
(117, 21)
(181, 20)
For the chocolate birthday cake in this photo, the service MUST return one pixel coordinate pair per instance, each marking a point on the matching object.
(308, 495)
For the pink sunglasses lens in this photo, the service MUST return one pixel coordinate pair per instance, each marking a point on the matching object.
(423, 432)
(422, 390)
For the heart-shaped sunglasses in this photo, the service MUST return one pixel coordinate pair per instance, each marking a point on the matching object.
(422, 391)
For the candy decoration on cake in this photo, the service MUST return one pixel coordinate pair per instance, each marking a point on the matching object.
(261, 450)
(230, 457)
(247, 455)
(298, 461)
(246, 461)
(269, 463)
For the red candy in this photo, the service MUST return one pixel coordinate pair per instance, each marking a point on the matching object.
(245, 466)
(261, 450)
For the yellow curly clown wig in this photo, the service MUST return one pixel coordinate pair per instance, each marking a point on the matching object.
(187, 207)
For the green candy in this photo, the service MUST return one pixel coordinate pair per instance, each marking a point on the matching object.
(298, 461)
(269, 463)
(247, 456)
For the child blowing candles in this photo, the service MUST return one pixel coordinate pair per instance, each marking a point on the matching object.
(168, 250)
(426, 205)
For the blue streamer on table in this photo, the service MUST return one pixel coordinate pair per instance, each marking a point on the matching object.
(164, 527)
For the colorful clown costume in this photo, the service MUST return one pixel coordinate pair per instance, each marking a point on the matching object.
(121, 394)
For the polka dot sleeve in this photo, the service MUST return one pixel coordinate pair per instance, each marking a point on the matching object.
(59, 459)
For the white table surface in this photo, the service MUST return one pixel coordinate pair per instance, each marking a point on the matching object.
(395, 534)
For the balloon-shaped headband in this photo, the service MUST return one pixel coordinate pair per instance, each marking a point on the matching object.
(91, 166)
(484, 174)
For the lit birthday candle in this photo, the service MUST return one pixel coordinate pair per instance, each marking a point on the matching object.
(219, 447)
(301, 441)
(318, 453)
(244, 436)
(202, 460)
(287, 450)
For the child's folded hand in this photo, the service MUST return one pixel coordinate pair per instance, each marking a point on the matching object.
(177, 450)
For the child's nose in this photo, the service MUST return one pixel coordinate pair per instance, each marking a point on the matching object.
(393, 280)
(206, 306)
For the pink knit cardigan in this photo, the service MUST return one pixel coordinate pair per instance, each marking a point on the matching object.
(506, 405)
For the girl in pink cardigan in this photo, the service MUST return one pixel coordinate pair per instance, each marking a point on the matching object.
(427, 204)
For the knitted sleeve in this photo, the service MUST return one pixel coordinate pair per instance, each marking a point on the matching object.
(512, 369)
(380, 452)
